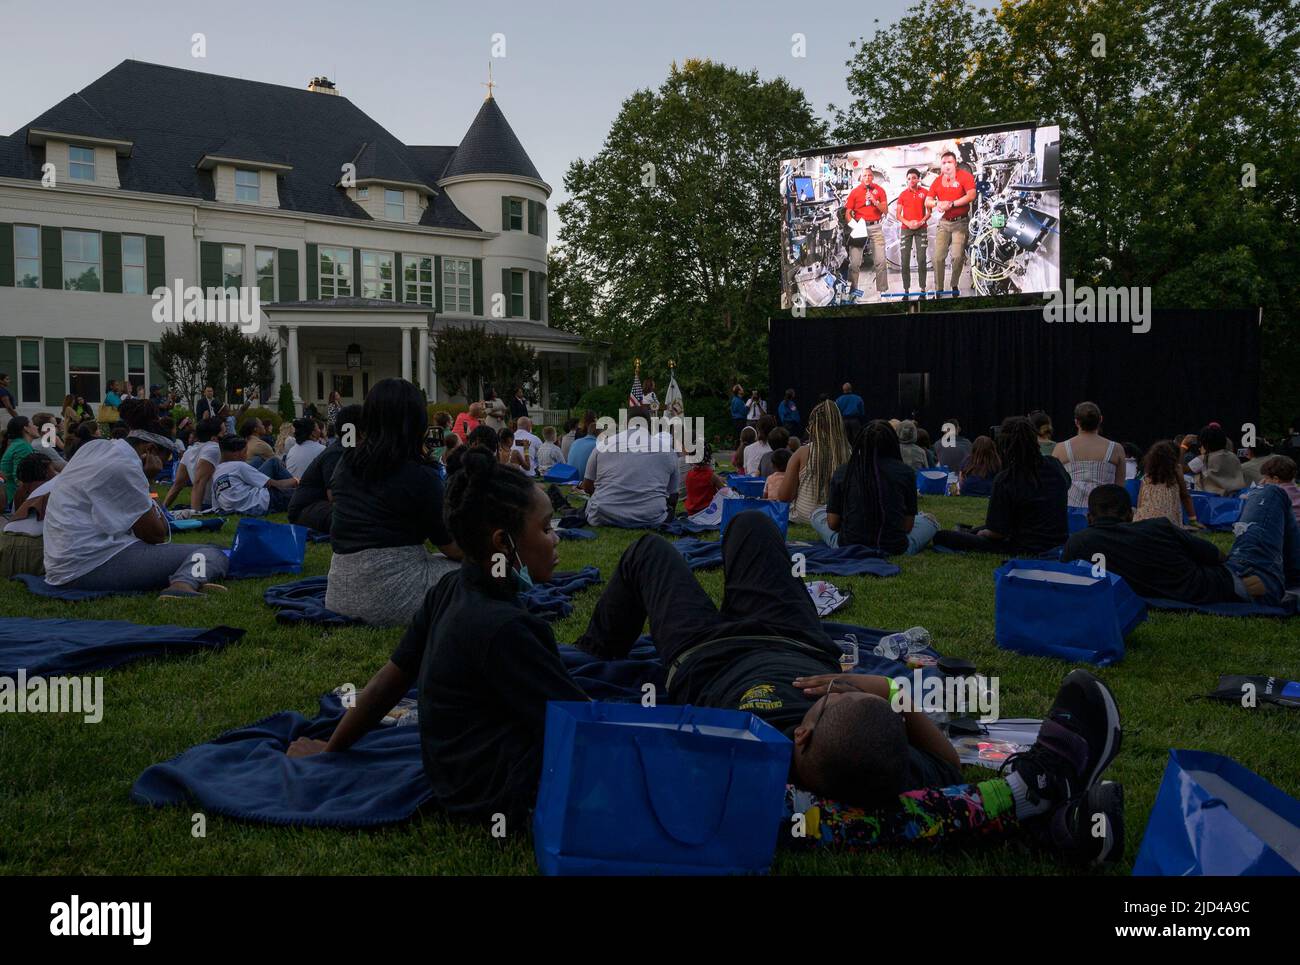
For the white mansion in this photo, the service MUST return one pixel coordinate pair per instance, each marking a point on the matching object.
(363, 248)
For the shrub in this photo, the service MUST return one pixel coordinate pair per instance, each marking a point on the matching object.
(268, 416)
(285, 404)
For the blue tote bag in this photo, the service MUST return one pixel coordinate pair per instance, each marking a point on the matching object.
(778, 510)
(1217, 512)
(932, 482)
(262, 548)
(1214, 817)
(637, 790)
(1076, 517)
(751, 487)
(1061, 610)
(561, 472)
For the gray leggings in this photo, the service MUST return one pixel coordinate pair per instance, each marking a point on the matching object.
(154, 566)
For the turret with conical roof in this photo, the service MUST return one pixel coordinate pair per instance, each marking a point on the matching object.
(490, 147)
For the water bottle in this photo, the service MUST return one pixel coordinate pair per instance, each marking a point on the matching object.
(896, 646)
(954, 486)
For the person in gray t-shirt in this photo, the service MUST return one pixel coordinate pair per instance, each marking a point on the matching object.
(952, 457)
(633, 479)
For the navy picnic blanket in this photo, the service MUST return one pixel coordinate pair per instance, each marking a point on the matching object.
(818, 557)
(303, 601)
(1290, 607)
(245, 774)
(49, 648)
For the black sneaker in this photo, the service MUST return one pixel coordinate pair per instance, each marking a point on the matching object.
(559, 502)
(1078, 740)
(1090, 828)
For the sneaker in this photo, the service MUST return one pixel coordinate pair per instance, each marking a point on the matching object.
(173, 593)
(1076, 743)
(1090, 828)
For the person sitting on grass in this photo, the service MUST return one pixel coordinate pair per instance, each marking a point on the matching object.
(1163, 492)
(778, 438)
(808, 475)
(387, 502)
(238, 487)
(1217, 468)
(548, 453)
(15, 446)
(254, 430)
(912, 453)
(104, 532)
(307, 445)
(22, 548)
(702, 483)
(1089, 457)
(1162, 561)
(978, 471)
(1027, 512)
(311, 504)
(748, 437)
(780, 460)
(1277, 471)
(198, 464)
(753, 453)
(632, 477)
(872, 500)
(508, 455)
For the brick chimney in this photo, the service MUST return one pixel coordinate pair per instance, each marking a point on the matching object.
(322, 85)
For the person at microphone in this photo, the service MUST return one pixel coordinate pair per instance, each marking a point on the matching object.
(867, 203)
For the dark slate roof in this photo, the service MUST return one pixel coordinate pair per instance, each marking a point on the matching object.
(243, 147)
(353, 302)
(176, 116)
(378, 160)
(490, 147)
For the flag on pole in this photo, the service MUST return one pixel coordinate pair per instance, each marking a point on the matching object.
(674, 404)
(634, 397)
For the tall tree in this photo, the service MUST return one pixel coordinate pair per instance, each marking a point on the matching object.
(671, 234)
(469, 359)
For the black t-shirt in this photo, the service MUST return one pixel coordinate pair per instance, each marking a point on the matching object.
(1157, 559)
(866, 525)
(315, 481)
(486, 668)
(1033, 518)
(403, 509)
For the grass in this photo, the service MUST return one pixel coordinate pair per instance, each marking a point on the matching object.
(64, 805)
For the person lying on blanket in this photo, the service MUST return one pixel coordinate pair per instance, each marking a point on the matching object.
(486, 669)
(1162, 561)
(103, 531)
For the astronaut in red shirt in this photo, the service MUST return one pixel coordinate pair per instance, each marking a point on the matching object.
(950, 195)
(868, 204)
(913, 218)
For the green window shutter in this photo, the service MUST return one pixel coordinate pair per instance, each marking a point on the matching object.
(478, 286)
(9, 362)
(534, 296)
(398, 294)
(505, 289)
(505, 213)
(535, 218)
(112, 253)
(356, 272)
(56, 385)
(51, 258)
(156, 374)
(286, 260)
(437, 282)
(209, 265)
(155, 263)
(113, 365)
(313, 273)
(7, 255)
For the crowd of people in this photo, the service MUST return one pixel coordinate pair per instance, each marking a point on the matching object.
(439, 528)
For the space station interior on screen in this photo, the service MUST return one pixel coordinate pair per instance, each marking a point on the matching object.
(969, 215)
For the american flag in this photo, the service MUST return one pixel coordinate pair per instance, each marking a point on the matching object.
(635, 398)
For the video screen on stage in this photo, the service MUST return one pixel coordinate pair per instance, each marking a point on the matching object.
(937, 216)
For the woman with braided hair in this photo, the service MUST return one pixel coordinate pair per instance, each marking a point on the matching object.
(872, 498)
(808, 474)
(1027, 512)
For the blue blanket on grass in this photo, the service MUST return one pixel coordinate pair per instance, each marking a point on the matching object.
(303, 601)
(1290, 607)
(818, 557)
(245, 774)
(48, 648)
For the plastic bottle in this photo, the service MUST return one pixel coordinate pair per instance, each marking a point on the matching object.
(896, 646)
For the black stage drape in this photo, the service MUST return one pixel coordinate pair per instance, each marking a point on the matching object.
(1192, 367)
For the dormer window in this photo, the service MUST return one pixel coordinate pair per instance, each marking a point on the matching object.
(81, 163)
(394, 205)
(248, 186)
(363, 194)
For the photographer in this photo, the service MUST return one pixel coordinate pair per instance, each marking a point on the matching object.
(387, 502)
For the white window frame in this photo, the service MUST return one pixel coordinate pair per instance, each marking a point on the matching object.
(341, 257)
(131, 268)
(523, 294)
(523, 214)
(275, 273)
(458, 297)
(399, 204)
(363, 194)
(36, 230)
(98, 263)
(256, 188)
(136, 376)
(373, 283)
(23, 370)
(419, 292)
(225, 286)
(67, 368)
(76, 164)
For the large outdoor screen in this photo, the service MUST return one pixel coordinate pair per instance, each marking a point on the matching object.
(938, 216)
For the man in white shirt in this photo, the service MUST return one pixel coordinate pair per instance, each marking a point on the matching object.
(239, 488)
(632, 477)
(548, 454)
(524, 433)
(306, 435)
(197, 465)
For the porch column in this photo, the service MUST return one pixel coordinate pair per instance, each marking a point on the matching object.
(433, 374)
(291, 364)
(406, 352)
(422, 363)
(276, 379)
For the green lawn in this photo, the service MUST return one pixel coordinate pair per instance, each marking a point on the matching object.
(64, 805)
